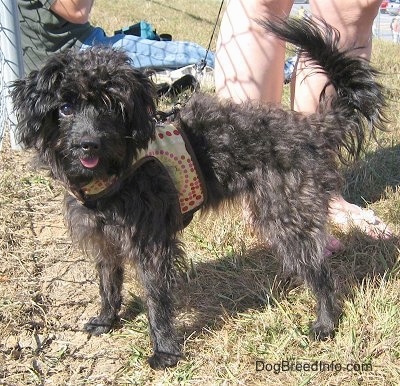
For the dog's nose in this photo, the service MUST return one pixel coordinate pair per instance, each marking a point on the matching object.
(90, 144)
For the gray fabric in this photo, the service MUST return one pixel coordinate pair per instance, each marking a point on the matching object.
(43, 32)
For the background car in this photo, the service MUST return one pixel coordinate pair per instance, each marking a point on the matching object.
(383, 6)
(393, 8)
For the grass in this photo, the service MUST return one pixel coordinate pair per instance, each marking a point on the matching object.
(184, 20)
(234, 308)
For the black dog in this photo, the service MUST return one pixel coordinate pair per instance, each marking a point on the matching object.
(90, 116)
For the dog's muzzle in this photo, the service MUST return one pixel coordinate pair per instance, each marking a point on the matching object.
(90, 147)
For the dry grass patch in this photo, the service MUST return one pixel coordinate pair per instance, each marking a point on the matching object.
(184, 20)
(234, 307)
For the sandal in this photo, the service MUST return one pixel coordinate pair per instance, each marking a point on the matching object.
(332, 246)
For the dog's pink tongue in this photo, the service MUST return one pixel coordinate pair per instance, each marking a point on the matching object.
(90, 163)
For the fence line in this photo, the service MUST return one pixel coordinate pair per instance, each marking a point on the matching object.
(3, 109)
(11, 65)
(11, 62)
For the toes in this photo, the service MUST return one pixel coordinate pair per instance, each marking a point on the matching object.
(161, 360)
(322, 331)
(97, 326)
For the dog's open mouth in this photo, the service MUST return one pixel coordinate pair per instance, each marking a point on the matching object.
(90, 162)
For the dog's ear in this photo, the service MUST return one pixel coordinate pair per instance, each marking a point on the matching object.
(144, 107)
(141, 105)
(35, 103)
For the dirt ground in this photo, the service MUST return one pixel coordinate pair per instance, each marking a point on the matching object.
(48, 290)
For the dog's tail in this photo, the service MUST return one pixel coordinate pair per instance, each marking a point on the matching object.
(359, 104)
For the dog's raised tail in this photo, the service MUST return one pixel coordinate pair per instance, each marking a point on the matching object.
(359, 99)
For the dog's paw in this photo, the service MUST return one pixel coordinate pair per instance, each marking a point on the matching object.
(323, 331)
(162, 360)
(97, 325)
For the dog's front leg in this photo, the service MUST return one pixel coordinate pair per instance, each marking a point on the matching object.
(111, 279)
(156, 273)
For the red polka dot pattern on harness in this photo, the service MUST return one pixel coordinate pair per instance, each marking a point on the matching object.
(170, 149)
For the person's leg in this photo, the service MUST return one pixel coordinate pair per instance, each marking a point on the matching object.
(249, 63)
(354, 21)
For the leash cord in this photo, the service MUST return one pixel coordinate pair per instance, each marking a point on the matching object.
(163, 116)
(202, 64)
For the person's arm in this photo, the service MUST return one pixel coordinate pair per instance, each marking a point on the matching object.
(74, 11)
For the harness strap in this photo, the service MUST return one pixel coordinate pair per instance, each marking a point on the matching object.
(173, 151)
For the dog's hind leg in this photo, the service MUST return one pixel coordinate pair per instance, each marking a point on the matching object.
(156, 271)
(303, 255)
(297, 231)
(111, 274)
(318, 276)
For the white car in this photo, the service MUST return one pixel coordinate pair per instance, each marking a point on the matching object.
(393, 8)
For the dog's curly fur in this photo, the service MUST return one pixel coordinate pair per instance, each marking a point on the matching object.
(94, 104)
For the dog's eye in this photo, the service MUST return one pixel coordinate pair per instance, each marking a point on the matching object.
(66, 109)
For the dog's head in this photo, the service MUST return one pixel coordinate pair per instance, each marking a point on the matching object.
(87, 113)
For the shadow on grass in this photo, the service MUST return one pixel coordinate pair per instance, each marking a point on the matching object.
(253, 279)
(230, 284)
(369, 179)
(187, 14)
(233, 285)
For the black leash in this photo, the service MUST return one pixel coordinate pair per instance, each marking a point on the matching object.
(170, 115)
(167, 116)
(200, 66)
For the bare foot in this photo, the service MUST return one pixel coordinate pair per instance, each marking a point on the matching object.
(347, 216)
